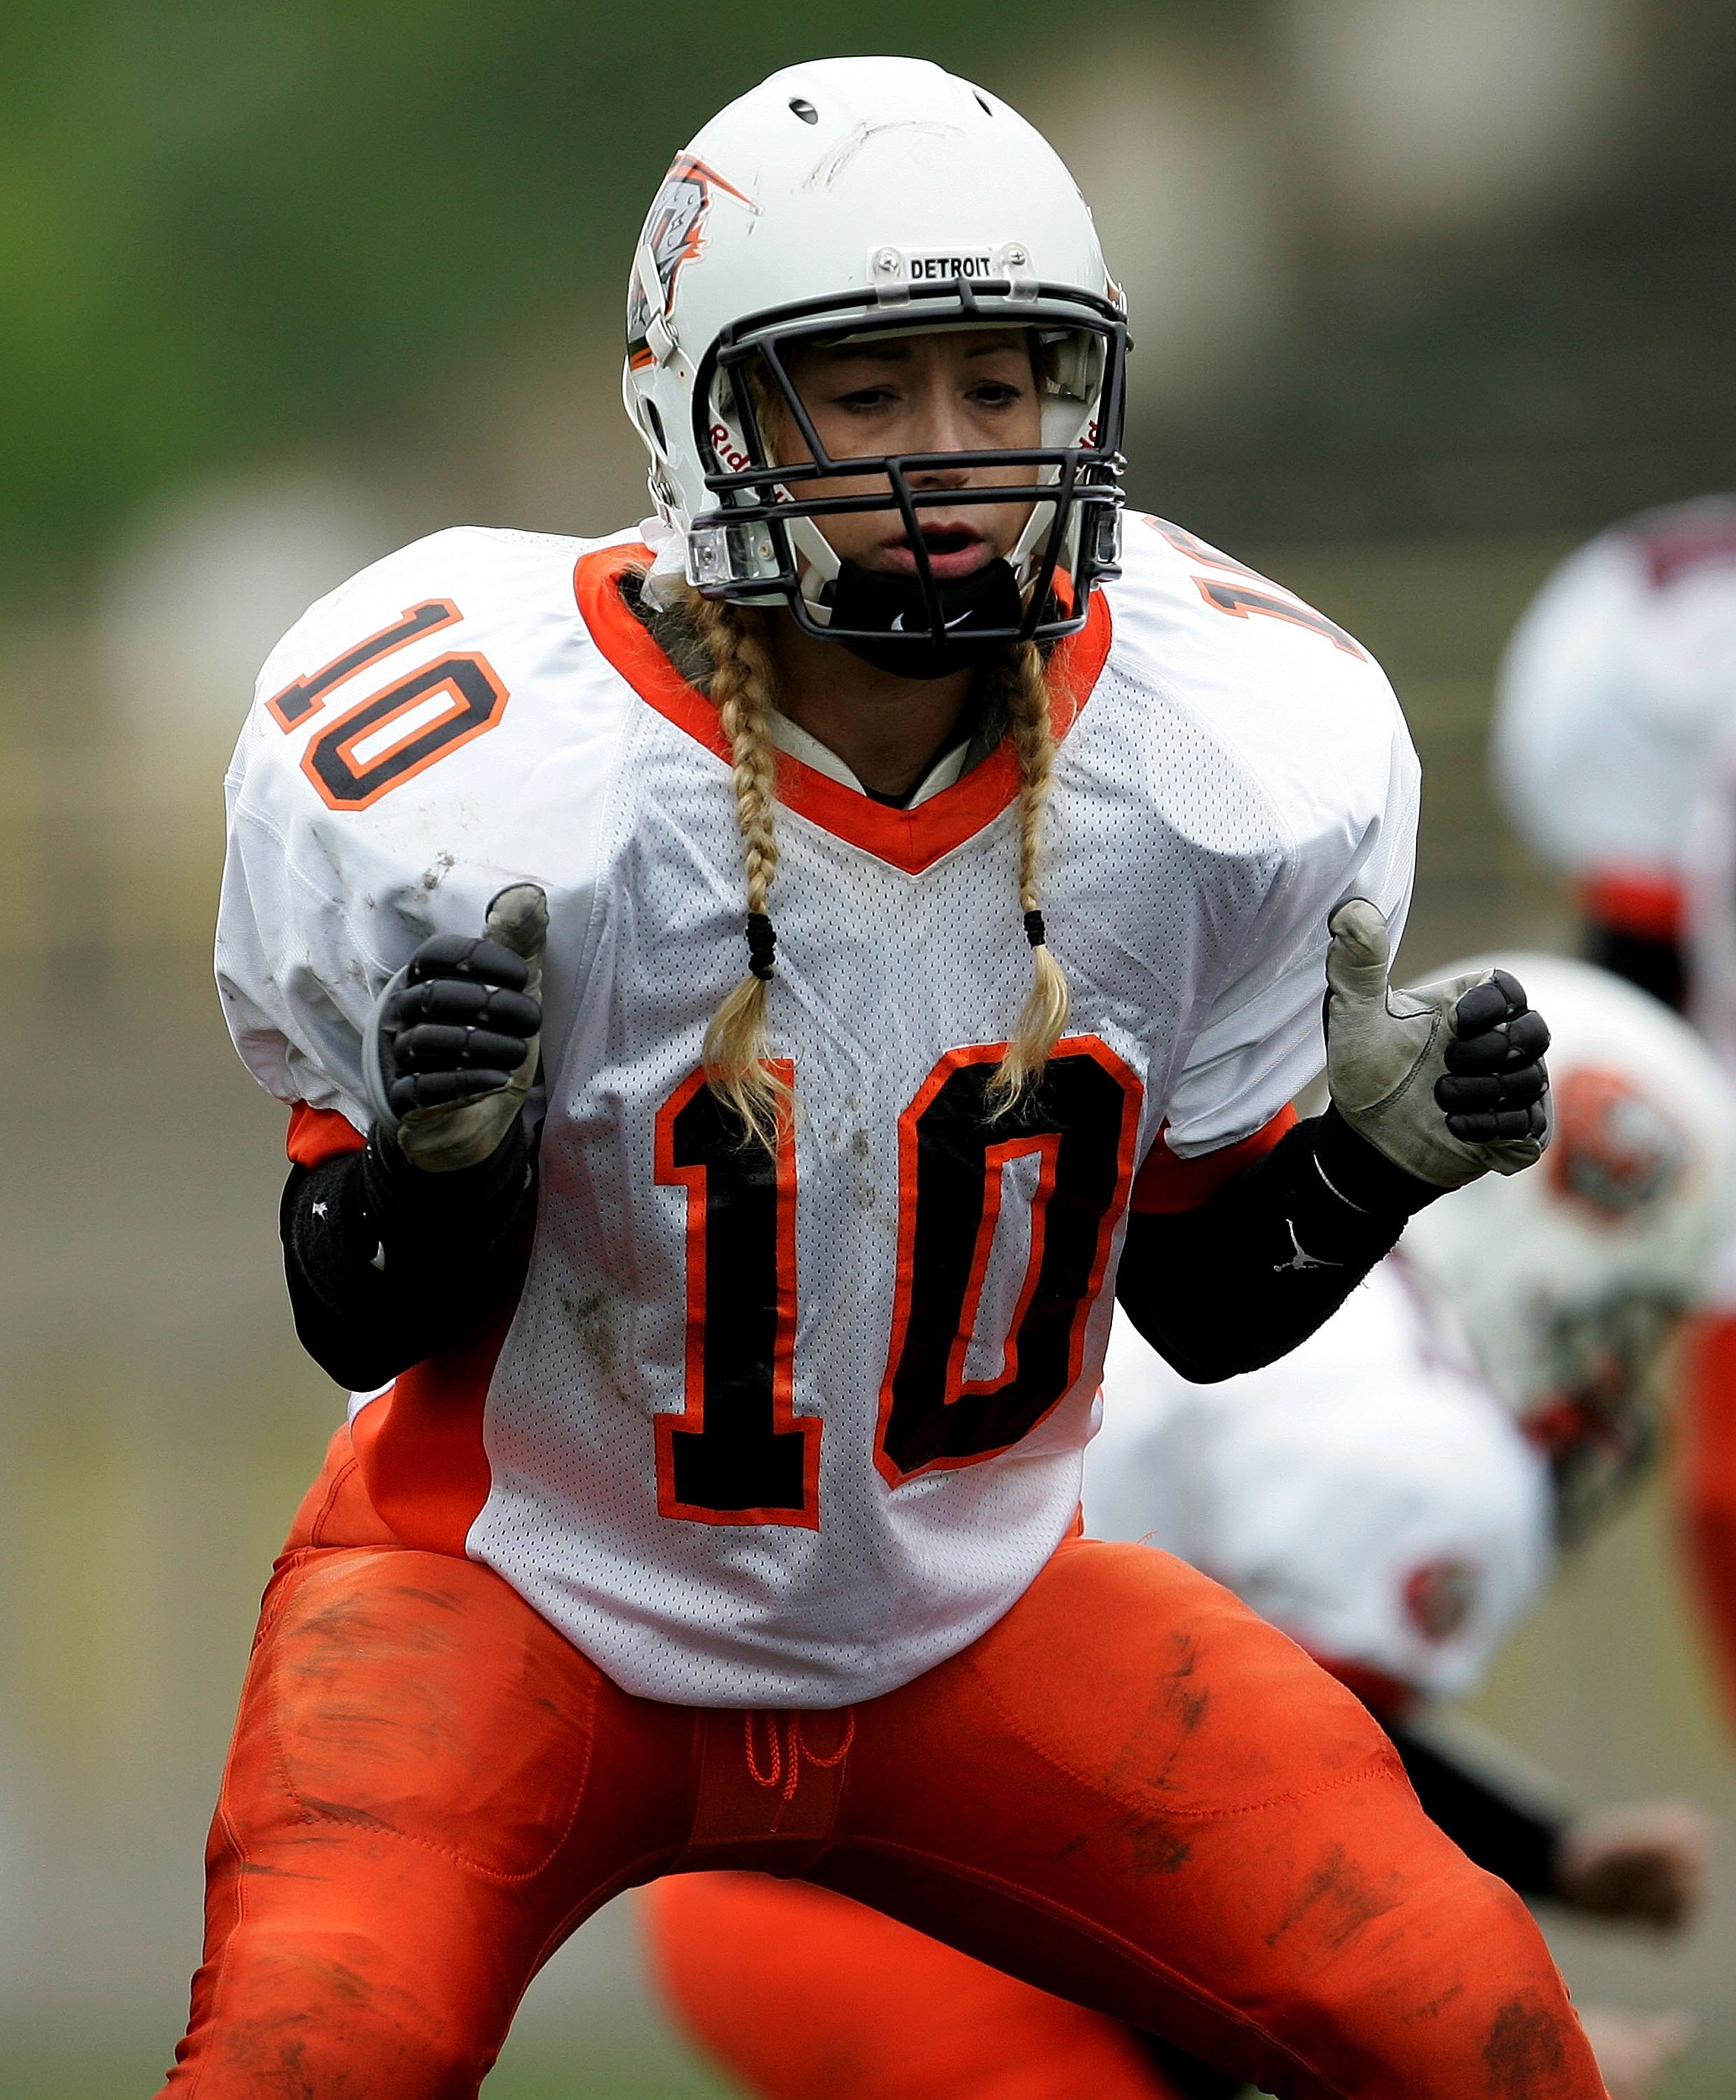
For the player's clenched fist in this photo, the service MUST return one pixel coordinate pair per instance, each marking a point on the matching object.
(451, 1048)
(1449, 1080)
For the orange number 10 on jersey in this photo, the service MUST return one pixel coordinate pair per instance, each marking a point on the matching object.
(391, 736)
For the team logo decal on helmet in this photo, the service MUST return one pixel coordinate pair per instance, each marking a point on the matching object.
(1438, 1598)
(673, 233)
(1613, 1149)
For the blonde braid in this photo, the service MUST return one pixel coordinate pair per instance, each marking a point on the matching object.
(1043, 1017)
(737, 1047)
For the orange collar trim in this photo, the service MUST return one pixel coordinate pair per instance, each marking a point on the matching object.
(909, 839)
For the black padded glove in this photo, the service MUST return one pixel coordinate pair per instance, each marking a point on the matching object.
(1495, 1079)
(450, 1050)
(458, 1026)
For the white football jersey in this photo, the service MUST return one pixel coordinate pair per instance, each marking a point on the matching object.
(1367, 1493)
(791, 1437)
(1617, 682)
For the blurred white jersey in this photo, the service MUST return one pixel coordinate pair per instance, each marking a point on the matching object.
(1619, 681)
(791, 1437)
(1709, 938)
(1367, 1495)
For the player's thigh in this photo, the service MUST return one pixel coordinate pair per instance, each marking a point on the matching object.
(803, 1995)
(1136, 1793)
(425, 1781)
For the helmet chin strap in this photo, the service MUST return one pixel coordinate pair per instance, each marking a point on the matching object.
(894, 605)
(822, 570)
(835, 589)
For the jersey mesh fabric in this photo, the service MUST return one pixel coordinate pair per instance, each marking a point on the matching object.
(1159, 843)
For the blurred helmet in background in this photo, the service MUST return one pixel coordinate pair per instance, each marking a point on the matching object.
(1570, 1277)
(852, 198)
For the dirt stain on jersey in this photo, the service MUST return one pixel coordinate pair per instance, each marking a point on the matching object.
(1523, 2049)
(437, 872)
(594, 1320)
(864, 1193)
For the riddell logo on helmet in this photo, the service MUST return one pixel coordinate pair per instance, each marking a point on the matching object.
(734, 459)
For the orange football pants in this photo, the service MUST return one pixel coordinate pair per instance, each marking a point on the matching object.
(799, 1994)
(1130, 1791)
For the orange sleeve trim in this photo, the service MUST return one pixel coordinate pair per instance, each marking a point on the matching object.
(1631, 901)
(423, 1462)
(316, 1135)
(1166, 1184)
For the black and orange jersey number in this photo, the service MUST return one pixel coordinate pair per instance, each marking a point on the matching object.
(737, 1453)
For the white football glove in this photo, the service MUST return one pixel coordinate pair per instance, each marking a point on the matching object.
(1447, 1081)
(450, 1049)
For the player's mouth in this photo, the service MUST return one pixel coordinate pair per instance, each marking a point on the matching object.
(953, 551)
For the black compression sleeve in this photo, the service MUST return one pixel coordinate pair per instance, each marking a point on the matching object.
(1505, 1836)
(387, 1264)
(1241, 1280)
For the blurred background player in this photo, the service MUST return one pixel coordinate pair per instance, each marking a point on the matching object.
(1392, 1496)
(1619, 684)
(1615, 710)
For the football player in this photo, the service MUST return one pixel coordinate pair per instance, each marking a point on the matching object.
(749, 1001)
(1392, 1495)
(1616, 706)
(1614, 692)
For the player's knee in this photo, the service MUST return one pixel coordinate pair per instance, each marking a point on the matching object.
(1471, 1972)
(338, 2016)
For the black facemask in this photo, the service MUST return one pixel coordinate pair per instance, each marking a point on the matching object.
(894, 606)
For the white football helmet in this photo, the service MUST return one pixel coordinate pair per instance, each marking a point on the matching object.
(1569, 1278)
(858, 197)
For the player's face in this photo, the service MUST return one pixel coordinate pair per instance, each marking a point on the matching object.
(955, 390)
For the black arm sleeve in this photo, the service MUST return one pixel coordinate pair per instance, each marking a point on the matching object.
(1241, 1280)
(387, 1264)
(1505, 1836)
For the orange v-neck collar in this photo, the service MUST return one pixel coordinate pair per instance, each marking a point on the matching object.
(909, 839)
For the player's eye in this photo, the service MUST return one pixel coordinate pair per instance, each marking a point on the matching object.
(862, 399)
(996, 393)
